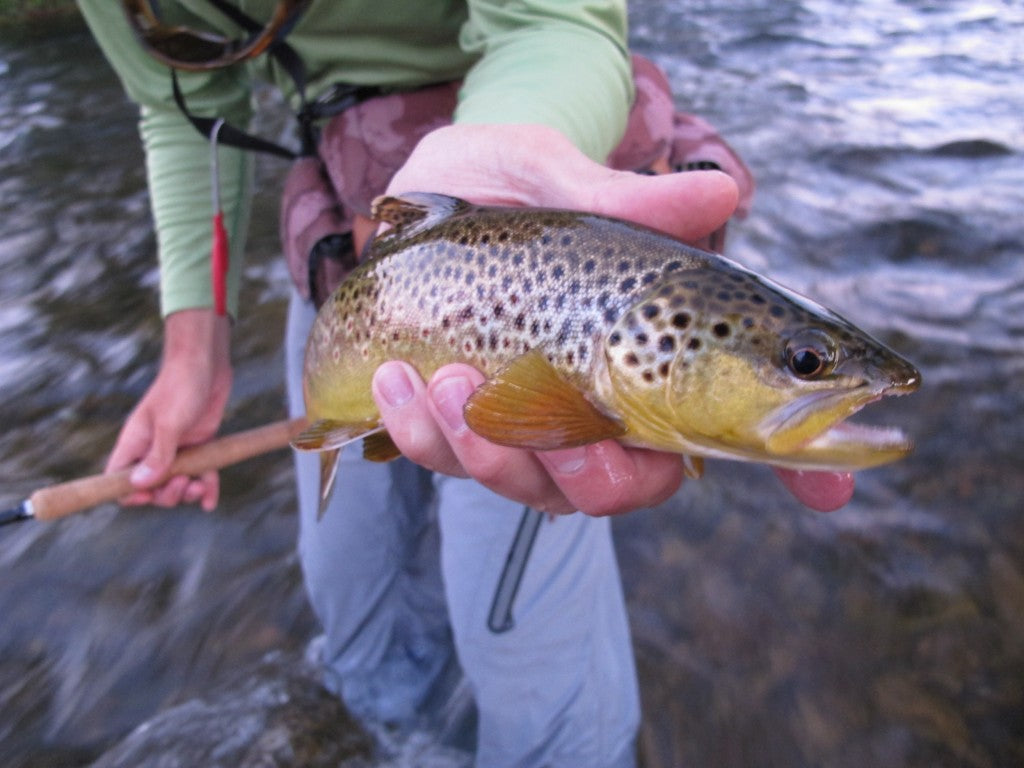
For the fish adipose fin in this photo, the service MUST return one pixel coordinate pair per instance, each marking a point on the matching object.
(416, 211)
(528, 404)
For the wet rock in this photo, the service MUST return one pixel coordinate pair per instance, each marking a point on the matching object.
(276, 715)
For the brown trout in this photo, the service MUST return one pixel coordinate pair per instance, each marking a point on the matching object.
(589, 328)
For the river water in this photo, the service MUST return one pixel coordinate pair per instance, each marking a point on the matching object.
(888, 144)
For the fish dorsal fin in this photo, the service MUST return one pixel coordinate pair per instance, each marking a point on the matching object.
(327, 434)
(529, 404)
(416, 211)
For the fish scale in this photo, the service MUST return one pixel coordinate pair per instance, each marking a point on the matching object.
(588, 328)
(459, 294)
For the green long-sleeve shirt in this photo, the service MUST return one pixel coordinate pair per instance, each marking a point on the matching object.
(560, 63)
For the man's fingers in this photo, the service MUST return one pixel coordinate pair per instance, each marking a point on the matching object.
(821, 491)
(607, 478)
(512, 472)
(401, 397)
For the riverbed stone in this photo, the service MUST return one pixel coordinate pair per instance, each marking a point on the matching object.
(276, 715)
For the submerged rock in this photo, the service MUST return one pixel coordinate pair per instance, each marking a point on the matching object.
(276, 715)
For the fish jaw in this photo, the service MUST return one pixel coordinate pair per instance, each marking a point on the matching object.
(812, 431)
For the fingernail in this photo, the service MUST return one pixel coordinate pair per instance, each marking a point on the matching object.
(567, 461)
(394, 385)
(449, 395)
(142, 475)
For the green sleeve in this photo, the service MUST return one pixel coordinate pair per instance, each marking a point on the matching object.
(178, 160)
(561, 63)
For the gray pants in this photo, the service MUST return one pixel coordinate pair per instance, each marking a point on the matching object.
(402, 571)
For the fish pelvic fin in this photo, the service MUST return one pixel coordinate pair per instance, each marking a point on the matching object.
(529, 404)
(415, 211)
(378, 446)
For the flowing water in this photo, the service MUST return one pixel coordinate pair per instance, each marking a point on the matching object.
(887, 139)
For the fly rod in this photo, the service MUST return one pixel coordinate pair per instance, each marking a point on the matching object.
(63, 499)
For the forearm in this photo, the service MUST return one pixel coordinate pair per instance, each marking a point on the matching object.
(560, 64)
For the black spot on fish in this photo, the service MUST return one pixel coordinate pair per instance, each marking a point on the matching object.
(623, 267)
(666, 343)
(721, 330)
(748, 322)
(650, 311)
(631, 360)
(663, 370)
(693, 344)
(650, 277)
(520, 321)
(589, 266)
(558, 271)
(673, 266)
(499, 310)
(724, 296)
(757, 299)
(681, 320)
(611, 315)
(628, 284)
(566, 240)
(777, 311)
(615, 339)
(648, 376)
(641, 339)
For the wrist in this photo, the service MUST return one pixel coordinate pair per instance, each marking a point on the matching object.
(197, 336)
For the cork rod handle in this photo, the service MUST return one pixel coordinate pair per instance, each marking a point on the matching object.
(65, 499)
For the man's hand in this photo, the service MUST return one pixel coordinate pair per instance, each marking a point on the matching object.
(184, 406)
(537, 166)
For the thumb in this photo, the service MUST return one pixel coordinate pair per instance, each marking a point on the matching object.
(156, 464)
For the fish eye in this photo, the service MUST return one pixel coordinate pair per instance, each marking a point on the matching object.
(810, 354)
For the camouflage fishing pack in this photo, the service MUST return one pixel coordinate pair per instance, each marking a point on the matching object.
(361, 148)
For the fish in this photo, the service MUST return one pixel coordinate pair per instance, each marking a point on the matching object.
(589, 328)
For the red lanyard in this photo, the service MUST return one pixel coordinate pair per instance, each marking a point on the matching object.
(219, 247)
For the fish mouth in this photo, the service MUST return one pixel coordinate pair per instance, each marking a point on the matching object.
(812, 431)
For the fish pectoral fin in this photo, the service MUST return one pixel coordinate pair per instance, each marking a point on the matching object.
(378, 446)
(328, 434)
(416, 211)
(529, 404)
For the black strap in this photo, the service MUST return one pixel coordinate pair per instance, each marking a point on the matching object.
(500, 618)
(338, 99)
